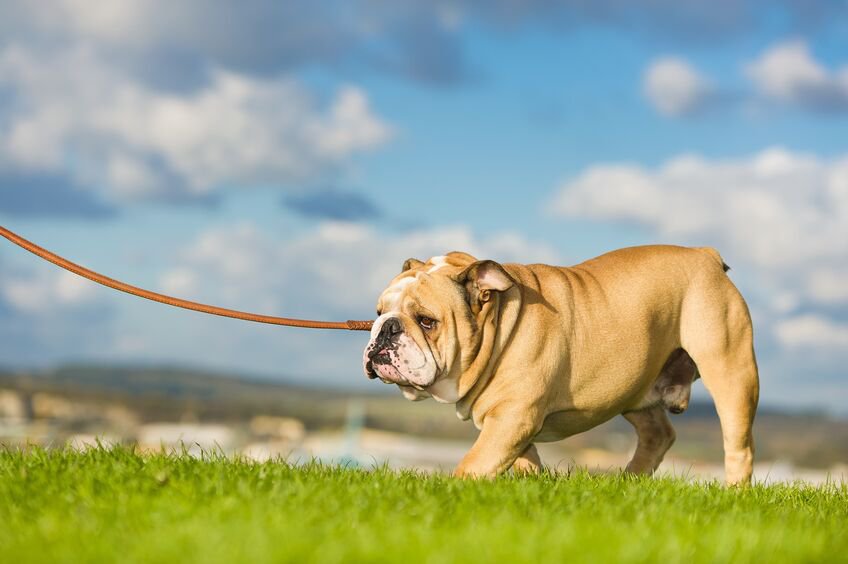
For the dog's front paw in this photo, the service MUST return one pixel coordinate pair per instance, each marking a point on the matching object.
(468, 471)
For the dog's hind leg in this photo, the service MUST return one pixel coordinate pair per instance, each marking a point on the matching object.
(674, 384)
(719, 337)
(655, 437)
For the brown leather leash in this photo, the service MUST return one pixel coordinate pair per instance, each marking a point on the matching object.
(350, 325)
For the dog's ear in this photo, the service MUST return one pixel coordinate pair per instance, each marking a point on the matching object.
(411, 263)
(483, 277)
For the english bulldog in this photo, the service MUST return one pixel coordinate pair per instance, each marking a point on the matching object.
(535, 353)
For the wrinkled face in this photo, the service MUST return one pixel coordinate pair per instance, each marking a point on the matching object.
(413, 327)
(426, 316)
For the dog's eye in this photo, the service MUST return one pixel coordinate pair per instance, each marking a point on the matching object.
(426, 322)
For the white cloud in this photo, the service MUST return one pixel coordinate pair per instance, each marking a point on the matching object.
(812, 331)
(778, 215)
(788, 73)
(775, 209)
(127, 21)
(172, 41)
(179, 282)
(828, 286)
(47, 314)
(675, 88)
(76, 114)
(45, 292)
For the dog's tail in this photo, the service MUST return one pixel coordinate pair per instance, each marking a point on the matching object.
(714, 254)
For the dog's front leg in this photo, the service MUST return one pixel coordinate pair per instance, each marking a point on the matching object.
(528, 462)
(506, 434)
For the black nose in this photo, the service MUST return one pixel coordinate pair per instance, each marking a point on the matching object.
(385, 340)
(391, 327)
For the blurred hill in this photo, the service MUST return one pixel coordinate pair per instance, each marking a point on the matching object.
(153, 394)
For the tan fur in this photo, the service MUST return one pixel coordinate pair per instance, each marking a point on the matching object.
(535, 353)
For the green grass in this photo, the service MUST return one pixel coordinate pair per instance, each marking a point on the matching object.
(116, 505)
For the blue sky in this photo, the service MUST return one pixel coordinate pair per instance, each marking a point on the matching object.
(288, 157)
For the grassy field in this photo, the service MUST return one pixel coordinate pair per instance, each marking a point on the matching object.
(116, 505)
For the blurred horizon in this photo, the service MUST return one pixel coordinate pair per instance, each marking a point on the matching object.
(179, 410)
(287, 158)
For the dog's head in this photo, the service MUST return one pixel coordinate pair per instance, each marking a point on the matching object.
(430, 323)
